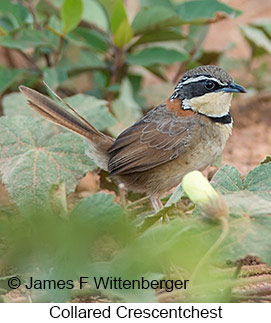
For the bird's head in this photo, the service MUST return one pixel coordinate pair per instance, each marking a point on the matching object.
(208, 90)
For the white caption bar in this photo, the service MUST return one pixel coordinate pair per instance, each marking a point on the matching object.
(82, 312)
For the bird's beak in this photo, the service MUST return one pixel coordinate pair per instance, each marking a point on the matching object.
(233, 88)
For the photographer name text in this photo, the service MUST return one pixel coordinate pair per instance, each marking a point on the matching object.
(100, 283)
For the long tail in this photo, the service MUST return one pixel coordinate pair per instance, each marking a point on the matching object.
(100, 143)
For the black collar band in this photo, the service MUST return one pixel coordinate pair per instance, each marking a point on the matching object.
(226, 119)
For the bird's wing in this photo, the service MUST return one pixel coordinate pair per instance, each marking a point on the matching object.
(159, 137)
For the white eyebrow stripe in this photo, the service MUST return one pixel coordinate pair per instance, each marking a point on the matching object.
(202, 78)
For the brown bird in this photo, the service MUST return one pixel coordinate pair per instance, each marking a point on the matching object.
(187, 132)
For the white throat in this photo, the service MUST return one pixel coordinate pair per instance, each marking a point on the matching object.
(216, 104)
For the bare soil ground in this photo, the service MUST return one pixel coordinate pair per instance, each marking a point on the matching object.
(250, 142)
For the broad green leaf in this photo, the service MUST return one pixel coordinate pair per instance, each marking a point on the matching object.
(124, 34)
(195, 39)
(258, 181)
(90, 38)
(33, 158)
(264, 24)
(198, 11)
(125, 108)
(15, 12)
(98, 209)
(158, 70)
(266, 160)
(159, 17)
(15, 104)
(108, 5)
(118, 15)
(162, 35)
(94, 13)
(249, 227)
(26, 39)
(258, 38)
(176, 196)
(6, 26)
(75, 58)
(245, 203)
(92, 109)
(71, 12)
(8, 77)
(50, 77)
(154, 18)
(55, 25)
(227, 180)
(54, 76)
(179, 237)
(156, 55)
(149, 3)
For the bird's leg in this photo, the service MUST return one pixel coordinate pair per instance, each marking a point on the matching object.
(156, 203)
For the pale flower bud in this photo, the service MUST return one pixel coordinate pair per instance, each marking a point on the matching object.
(202, 193)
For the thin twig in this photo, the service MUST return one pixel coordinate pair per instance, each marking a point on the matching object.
(59, 49)
(117, 65)
(139, 202)
(31, 5)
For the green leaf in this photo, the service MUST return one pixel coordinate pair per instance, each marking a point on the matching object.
(263, 24)
(266, 160)
(92, 109)
(76, 59)
(71, 12)
(8, 77)
(258, 181)
(50, 77)
(54, 76)
(158, 70)
(149, 3)
(245, 203)
(33, 158)
(98, 209)
(227, 180)
(156, 55)
(125, 108)
(15, 12)
(5, 26)
(124, 34)
(154, 18)
(249, 228)
(118, 15)
(176, 196)
(90, 38)
(162, 35)
(15, 104)
(198, 11)
(94, 13)
(108, 5)
(26, 39)
(55, 25)
(257, 38)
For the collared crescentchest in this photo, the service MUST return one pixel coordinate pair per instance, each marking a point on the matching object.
(187, 132)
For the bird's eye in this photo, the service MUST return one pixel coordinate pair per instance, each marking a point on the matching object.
(209, 85)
